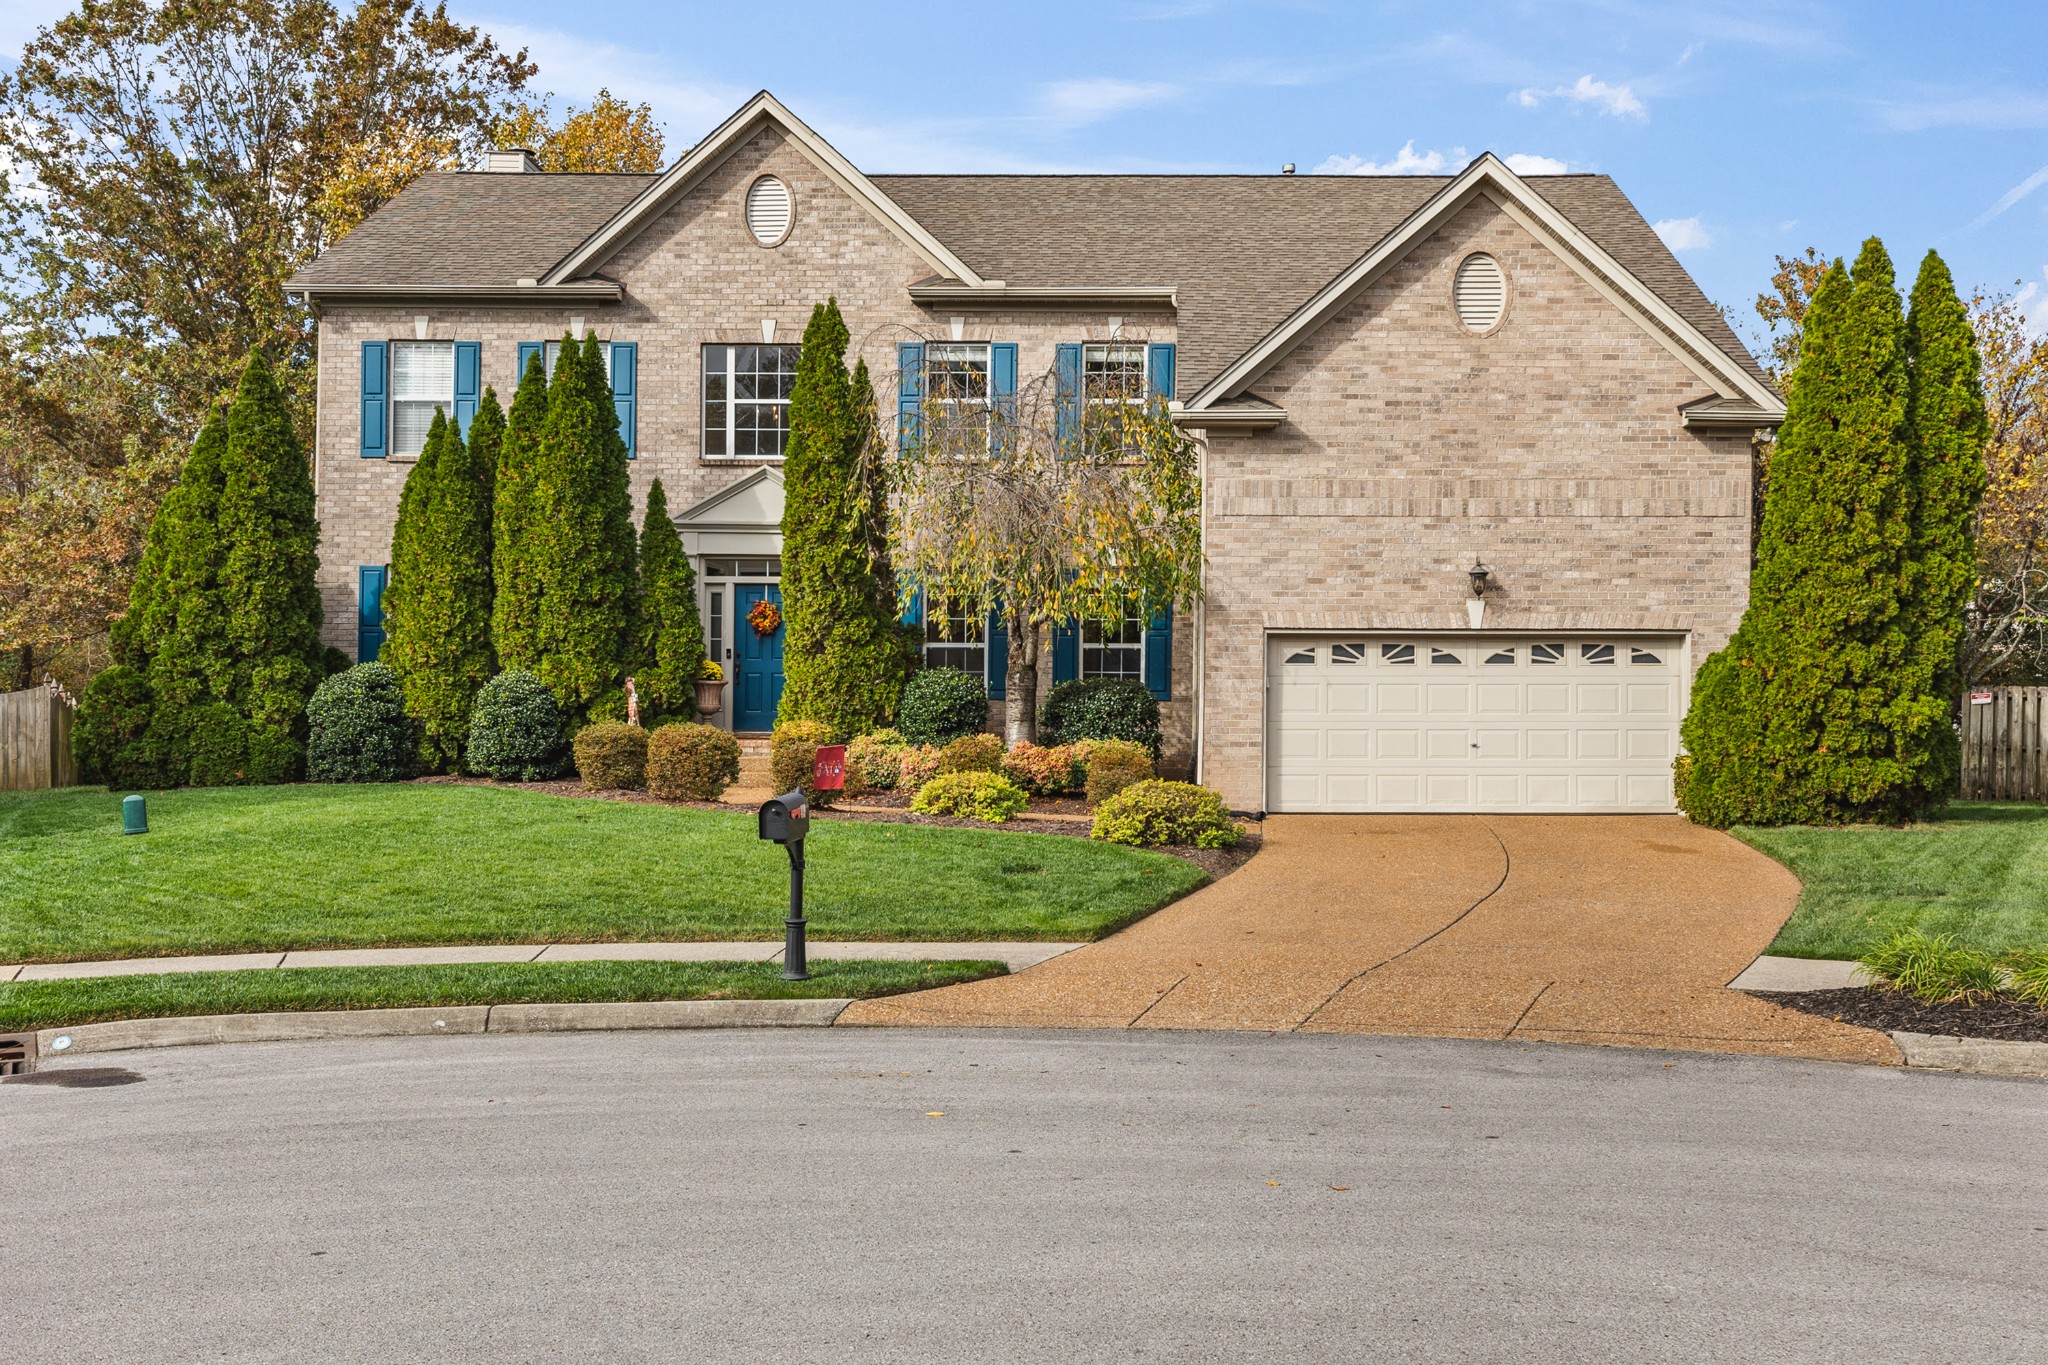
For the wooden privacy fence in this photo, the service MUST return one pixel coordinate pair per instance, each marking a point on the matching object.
(35, 740)
(2004, 756)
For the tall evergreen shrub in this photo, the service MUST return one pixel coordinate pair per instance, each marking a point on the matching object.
(672, 630)
(515, 603)
(437, 607)
(1797, 720)
(175, 628)
(842, 656)
(1946, 430)
(582, 546)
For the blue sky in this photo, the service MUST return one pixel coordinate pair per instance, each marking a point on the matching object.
(1743, 128)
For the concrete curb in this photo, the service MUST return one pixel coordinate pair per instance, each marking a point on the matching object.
(290, 1027)
(1982, 1056)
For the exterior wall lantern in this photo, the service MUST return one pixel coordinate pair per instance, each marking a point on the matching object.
(1475, 610)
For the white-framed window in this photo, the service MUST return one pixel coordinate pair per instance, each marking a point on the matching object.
(956, 385)
(551, 355)
(955, 637)
(746, 400)
(422, 380)
(1113, 371)
(1114, 649)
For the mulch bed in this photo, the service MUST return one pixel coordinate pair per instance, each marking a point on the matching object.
(1217, 862)
(1878, 1008)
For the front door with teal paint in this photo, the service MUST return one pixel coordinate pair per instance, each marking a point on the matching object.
(757, 660)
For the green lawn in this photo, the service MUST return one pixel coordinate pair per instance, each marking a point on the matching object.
(360, 866)
(61, 1004)
(1980, 874)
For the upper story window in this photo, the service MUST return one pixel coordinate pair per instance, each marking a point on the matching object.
(956, 386)
(746, 400)
(1115, 649)
(955, 638)
(553, 353)
(422, 381)
(1113, 372)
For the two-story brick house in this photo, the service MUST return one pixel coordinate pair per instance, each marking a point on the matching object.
(1398, 382)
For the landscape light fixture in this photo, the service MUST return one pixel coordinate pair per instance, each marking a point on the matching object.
(1479, 573)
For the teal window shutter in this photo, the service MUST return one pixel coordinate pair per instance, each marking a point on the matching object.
(1159, 369)
(370, 611)
(909, 393)
(998, 654)
(469, 382)
(1066, 398)
(625, 391)
(375, 372)
(1066, 653)
(913, 615)
(527, 351)
(1159, 654)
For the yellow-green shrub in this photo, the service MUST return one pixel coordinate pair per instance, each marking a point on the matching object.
(971, 795)
(972, 754)
(689, 762)
(1149, 814)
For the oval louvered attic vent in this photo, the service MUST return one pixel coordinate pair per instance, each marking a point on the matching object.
(1480, 292)
(768, 210)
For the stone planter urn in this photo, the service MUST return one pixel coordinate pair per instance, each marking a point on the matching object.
(710, 696)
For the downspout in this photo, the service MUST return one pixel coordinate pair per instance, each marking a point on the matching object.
(1201, 689)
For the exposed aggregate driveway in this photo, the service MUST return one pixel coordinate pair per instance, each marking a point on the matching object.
(1621, 930)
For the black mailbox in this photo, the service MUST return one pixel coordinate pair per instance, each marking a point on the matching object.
(786, 819)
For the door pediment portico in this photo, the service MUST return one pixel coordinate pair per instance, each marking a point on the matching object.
(743, 518)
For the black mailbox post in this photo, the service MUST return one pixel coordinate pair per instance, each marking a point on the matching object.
(785, 820)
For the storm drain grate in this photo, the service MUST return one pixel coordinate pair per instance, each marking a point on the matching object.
(17, 1054)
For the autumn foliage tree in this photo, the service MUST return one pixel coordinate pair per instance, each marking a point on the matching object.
(610, 136)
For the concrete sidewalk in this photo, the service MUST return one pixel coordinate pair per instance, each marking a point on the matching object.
(1016, 956)
(1590, 929)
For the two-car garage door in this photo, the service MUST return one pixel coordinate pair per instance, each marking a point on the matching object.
(1472, 723)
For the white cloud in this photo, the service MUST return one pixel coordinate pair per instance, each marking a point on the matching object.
(1407, 161)
(576, 68)
(2013, 196)
(2032, 302)
(1081, 102)
(2000, 110)
(1528, 163)
(1618, 101)
(1683, 234)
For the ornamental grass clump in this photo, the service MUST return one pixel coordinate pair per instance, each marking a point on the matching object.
(916, 766)
(878, 757)
(2027, 976)
(1151, 814)
(971, 796)
(1933, 968)
(972, 754)
(1114, 764)
(515, 730)
(940, 705)
(1043, 771)
(690, 762)
(359, 729)
(612, 756)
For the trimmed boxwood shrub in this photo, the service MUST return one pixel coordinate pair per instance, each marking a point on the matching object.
(916, 767)
(972, 754)
(878, 756)
(1042, 771)
(940, 705)
(1114, 764)
(1100, 708)
(515, 730)
(690, 762)
(793, 756)
(971, 795)
(112, 714)
(359, 729)
(1149, 814)
(612, 756)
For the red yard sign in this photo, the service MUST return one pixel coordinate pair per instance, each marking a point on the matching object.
(828, 770)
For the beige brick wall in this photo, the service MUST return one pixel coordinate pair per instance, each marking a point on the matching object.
(1551, 449)
(694, 276)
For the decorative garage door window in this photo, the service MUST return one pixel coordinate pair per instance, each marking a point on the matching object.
(1472, 723)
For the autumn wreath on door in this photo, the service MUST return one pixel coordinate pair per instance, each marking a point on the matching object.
(765, 618)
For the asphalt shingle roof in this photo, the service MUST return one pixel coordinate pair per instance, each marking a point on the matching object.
(1243, 252)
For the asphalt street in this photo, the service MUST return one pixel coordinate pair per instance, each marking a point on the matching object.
(903, 1195)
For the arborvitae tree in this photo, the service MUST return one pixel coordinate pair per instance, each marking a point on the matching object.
(485, 448)
(270, 576)
(1946, 430)
(872, 461)
(437, 613)
(842, 656)
(582, 545)
(672, 632)
(175, 628)
(1797, 720)
(515, 603)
